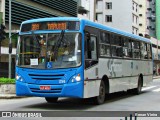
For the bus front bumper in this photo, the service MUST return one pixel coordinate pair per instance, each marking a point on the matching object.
(65, 90)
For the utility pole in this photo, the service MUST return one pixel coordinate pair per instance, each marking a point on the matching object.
(0, 40)
(2, 32)
(10, 41)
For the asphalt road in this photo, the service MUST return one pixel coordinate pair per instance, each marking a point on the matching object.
(148, 100)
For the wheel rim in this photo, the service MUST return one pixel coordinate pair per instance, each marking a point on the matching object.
(139, 86)
(101, 96)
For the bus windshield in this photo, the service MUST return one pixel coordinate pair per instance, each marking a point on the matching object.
(49, 51)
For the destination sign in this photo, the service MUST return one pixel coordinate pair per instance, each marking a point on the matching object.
(55, 25)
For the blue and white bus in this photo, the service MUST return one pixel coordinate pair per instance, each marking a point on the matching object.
(72, 57)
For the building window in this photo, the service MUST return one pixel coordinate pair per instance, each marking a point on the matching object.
(136, 7)
(108, 18)
(134, 30)
(99, 17)
(134, 19)
(133, 6)
(108, 5)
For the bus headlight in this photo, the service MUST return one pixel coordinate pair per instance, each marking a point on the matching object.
(76, 78)
(19, 78)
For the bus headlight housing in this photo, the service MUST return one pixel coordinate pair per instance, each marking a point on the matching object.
(19, 78)
(76, 78)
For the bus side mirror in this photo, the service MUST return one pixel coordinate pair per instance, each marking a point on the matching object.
(10, 48)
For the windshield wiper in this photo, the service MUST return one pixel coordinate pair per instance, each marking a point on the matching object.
(35, 38)
(58, 44)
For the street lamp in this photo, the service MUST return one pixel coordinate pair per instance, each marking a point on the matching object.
(10, 41)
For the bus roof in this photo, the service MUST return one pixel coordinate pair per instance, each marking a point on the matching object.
(114, 30)
(89, 23)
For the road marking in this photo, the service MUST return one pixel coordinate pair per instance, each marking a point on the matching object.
(156, 90)
(147, 88)
(157, 80)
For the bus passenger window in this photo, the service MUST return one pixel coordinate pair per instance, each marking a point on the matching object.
(90, 51)
(127, 49)
(136, 49)
(116, 45)
(104, 50)
(144, 51)
(149, 51)
(91, 48)
(104, 45)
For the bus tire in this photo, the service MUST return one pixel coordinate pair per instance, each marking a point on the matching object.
(51, 100)
(101, 98)
(138, 90)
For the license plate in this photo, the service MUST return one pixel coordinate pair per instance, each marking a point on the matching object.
(45, 87)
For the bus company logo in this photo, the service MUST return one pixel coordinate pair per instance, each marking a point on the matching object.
(6, 114)
(111, 68)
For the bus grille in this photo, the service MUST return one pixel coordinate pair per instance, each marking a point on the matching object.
(46, 77)
(53, 90)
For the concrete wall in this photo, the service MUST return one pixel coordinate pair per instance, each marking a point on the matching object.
(7, 89)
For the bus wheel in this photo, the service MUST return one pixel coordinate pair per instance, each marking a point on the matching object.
(51, 100)
(138, 90)
(101, 98)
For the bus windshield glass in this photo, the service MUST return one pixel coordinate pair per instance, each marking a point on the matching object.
(49, 51)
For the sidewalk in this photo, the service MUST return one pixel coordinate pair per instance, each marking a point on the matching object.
(10, 96)
(156, 77)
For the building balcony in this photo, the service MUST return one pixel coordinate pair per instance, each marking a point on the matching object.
(153, 19)
(149, 18)
(99, 10)
(82, 10)
(153, 11)
(149, 9)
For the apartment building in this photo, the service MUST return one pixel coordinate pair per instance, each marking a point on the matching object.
(143, 20)
(120, 14)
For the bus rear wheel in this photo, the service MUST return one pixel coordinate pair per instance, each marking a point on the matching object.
(138, 90)
(51, 100)
(101, 98)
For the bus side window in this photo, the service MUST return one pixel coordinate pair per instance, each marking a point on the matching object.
(87, 51)
(149, 51)
(136, 49)
(104, 44)
(116, 45)
(144, 50)
(90, 51)
(93, 47)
